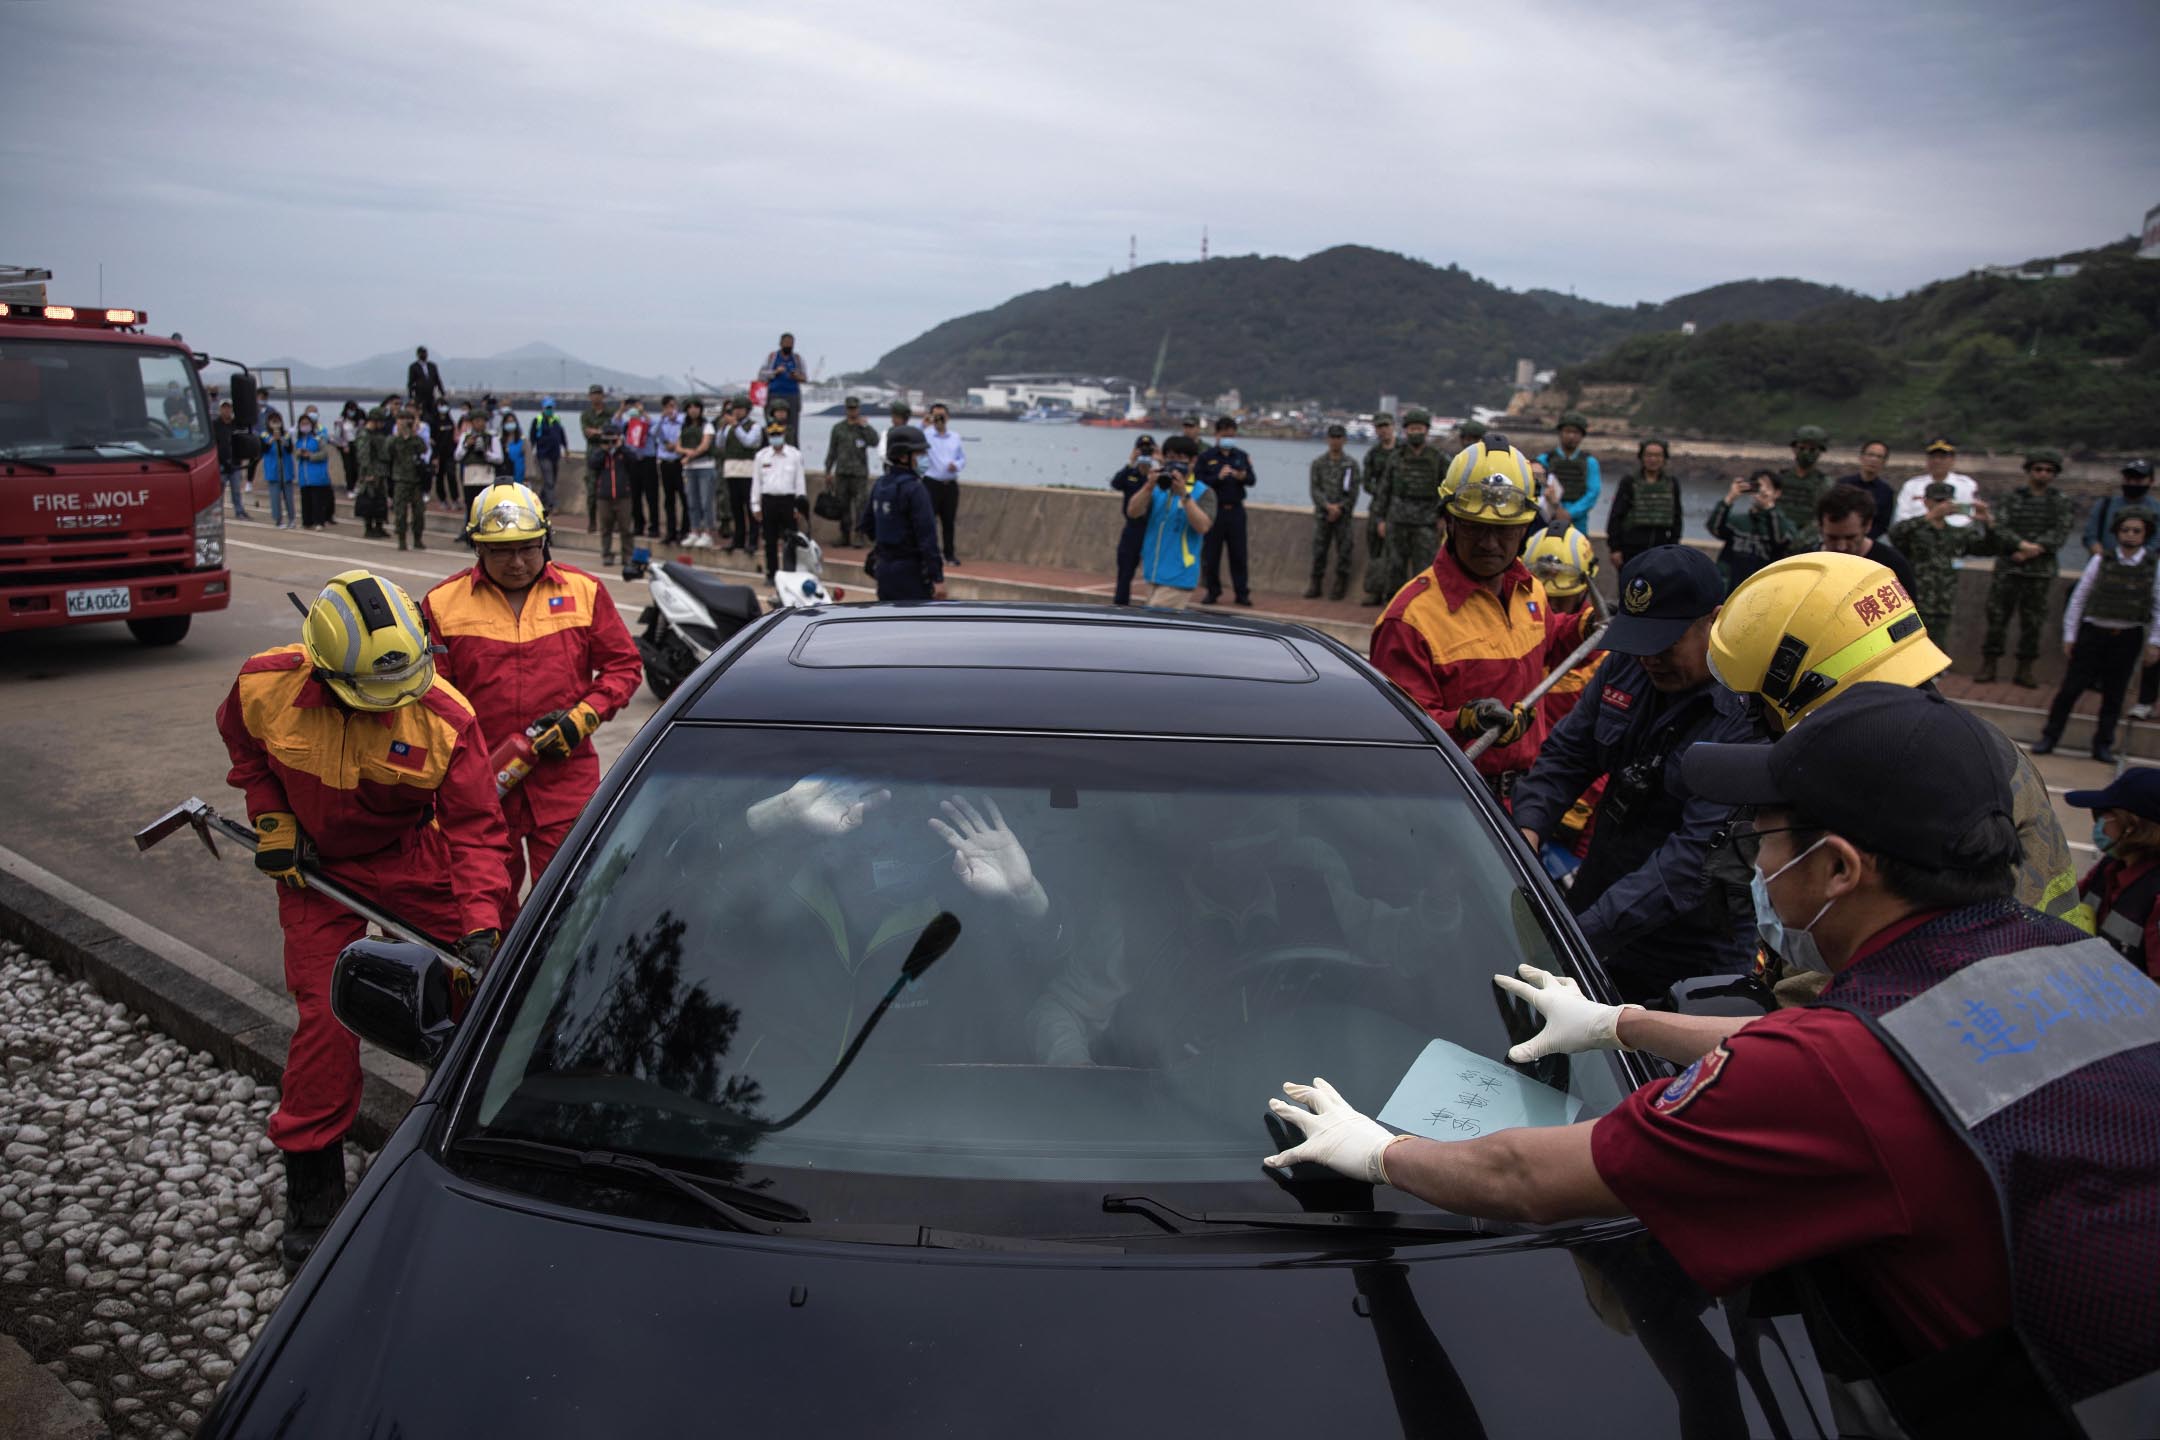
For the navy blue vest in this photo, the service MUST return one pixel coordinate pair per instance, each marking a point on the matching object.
(2041, 1046)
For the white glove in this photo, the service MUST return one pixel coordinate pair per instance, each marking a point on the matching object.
(818, 805)
(988, 857)
(1573, 1021)
(1336, 1135)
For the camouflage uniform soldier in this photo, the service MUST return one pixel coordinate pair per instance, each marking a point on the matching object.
(372, 451)
(1334, 481)
(1801, 484)
(847, 465)
(409, 479)
(592, 423)
(1379, 460)
(2035, 523)
(1933, 545)
(1412, 504)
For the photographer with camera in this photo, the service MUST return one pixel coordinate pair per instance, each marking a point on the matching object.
(1652, 896)
(1177, 510)
(1138, 475)
(1754, 534)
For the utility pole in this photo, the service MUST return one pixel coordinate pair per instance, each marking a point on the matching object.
(1203, 242)
(1132, 252)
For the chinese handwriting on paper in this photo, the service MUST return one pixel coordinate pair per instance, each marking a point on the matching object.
(1449, 1118)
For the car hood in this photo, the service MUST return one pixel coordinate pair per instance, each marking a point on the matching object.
(453, 1309)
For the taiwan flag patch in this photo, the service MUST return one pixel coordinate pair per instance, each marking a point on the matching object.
(408, 756)
(562, 604)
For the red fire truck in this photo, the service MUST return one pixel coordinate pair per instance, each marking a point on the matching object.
(110, 498)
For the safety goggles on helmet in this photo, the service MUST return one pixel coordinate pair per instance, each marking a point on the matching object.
(1495, 498)
(506, 514)
(387, 687)
(365, 641)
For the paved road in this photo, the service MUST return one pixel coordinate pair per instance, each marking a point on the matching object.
(103, 735)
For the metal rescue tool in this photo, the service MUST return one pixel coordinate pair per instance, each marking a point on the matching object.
(197, 815)
(1575, 657)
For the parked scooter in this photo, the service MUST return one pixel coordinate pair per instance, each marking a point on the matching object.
(692, 614)
(804, 585)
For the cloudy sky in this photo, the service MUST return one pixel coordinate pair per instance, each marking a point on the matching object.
(663, 185)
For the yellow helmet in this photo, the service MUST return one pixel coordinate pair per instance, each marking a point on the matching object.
(506, 514)
(1490, 485)
(364, 638)
(1810, 626)
(1563, 559)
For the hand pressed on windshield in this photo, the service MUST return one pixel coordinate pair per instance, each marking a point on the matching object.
(817, 805)
(988, 857)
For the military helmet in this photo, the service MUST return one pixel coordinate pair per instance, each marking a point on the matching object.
(1564, 560)
(1417, 417)
(1489, 483)
(905, 440)
(506, 513)
(1574, 418)
(364, 638)
(1471, 429)
(1810, 435)
(1809, 627)
(2044, 457)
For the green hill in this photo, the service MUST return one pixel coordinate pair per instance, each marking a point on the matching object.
(1995, 360)
(1341, 326)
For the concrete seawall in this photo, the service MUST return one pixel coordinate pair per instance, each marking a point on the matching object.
(1078, 530)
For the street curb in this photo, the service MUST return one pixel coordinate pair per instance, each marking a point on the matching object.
(189, 1009)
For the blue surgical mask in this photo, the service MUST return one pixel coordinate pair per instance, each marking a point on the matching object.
(2102, 841)
(1794, 944)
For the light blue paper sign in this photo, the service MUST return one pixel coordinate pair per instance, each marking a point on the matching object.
(1456, 1094)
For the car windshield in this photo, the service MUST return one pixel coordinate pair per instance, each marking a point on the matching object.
(67, 400)
(1154, 935)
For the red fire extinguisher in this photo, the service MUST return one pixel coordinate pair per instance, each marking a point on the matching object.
(514, 759)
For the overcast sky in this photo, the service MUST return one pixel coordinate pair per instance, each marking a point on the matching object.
(663, 185)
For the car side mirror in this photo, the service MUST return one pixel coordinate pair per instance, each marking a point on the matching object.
(397, 995)
(246, 402)
(1739, 996)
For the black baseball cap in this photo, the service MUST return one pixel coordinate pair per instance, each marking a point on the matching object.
(1335, 430)
(1897, 771)
(2140, 468)
(2137, 790)
(1663, 591)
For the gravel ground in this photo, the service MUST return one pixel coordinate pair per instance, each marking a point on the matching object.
(139, 1202)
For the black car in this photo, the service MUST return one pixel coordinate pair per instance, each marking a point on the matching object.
(886, 1053)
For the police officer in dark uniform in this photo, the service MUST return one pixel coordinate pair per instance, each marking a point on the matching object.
(1657, 897)
(1133, 478)
(1227, 471)
(901, 521)
(1952, 1156)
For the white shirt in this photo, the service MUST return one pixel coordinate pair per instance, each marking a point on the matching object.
(946, 458)
(778, 470)
(2074, 611)
(1912, 497)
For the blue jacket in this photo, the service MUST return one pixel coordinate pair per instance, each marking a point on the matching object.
(278, 466)
(1170, 555)
(901, 522)
(314, 456)
(1593, 482)
(549, 439)
(784, 371)
(1645, 897)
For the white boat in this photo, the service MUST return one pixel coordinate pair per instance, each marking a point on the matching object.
(1050, 415)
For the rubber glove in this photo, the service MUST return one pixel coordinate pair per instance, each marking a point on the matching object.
(818, 804)
(562, 731)
(277, 848)
(1573, 1021)
(1336, 1135)
(988, 857)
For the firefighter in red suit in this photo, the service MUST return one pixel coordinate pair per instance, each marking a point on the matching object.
(538, 648)
(354, 753)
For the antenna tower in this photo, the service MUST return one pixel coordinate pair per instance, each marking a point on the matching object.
(1203, 242)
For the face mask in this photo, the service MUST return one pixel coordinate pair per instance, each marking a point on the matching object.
(1794, 944)
(2102, 841)
(2135, 492)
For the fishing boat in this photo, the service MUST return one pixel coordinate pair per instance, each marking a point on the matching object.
(1050, 414)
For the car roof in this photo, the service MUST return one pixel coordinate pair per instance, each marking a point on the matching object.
(1076, 668)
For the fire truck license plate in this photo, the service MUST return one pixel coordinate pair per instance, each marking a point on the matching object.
(110, 600)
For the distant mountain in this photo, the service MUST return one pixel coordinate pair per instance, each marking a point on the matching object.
(537, 366)
(2062, 352)
(1342, 326)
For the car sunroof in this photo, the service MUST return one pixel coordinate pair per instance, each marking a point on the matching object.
(1190, 651)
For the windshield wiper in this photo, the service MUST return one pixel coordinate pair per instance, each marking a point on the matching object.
(1374, 1224)
(12, 458)
(751, 1211)
(133, 448)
